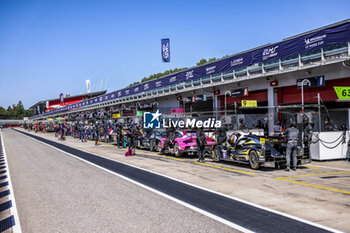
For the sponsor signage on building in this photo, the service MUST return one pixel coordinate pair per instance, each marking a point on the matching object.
(318, 81)
(200, 98)
(237, 93)
(145, 106)
(245, 91)
(188, 99)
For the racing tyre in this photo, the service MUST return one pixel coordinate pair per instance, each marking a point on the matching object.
(151, 145)
(254, 160)
(216, 154)
(177, 151)
(159, 147)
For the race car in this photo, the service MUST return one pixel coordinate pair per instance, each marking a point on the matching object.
(257, 151)
(148, 140)
(182, 142)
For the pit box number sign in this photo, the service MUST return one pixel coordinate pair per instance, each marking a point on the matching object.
(343, 93)
(249, 103)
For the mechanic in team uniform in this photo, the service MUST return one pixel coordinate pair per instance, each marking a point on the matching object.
(222, 138)
(119, 134)
(201, 145)
(327, 125)
(242, 124)
(277, 128)
(292, 134)
(97, 133)
(308, 130)
(131, 134)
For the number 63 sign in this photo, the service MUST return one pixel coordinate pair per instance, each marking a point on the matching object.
(342, 92)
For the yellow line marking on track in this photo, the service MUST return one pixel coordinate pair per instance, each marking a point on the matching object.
(316, 168)
(225, 168)
(163, 156)
(311, 185)
(315, 186)
(314, 174)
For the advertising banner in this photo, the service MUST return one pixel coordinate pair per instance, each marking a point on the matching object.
(88, 86)
(165, 50)
(237, 93)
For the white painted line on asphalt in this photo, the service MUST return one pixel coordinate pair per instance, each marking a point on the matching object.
(240, 228)
(17, 227)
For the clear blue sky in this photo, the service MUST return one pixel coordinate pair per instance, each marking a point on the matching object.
(52, 47)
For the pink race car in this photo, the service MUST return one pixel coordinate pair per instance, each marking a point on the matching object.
(182, 142)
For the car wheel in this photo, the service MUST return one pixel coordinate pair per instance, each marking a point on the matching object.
(216, 154)
(254, 160)
(151, 146)
(159, 147)
(177, 150)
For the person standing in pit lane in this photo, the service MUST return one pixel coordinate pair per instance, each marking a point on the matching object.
(221, 139)
(200, 139)
(242, 124)
(57, 129)
(62, 131)
(292, 145)
(277, 128)
(119, 134)
(82, 133)
(131, 134)
(97, 133)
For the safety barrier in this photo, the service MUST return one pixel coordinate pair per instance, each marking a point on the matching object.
(330, 145)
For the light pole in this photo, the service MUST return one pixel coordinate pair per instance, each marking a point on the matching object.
(302, 94)
(226, 101)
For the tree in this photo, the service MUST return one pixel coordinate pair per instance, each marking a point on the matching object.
(16, 111)
(202, 62)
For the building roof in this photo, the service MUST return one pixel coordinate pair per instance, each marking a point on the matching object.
(90, 95)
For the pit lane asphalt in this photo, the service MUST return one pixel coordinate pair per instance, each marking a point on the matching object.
(247, 216)
(59, 193)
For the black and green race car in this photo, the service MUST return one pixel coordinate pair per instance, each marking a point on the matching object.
(257, 151)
